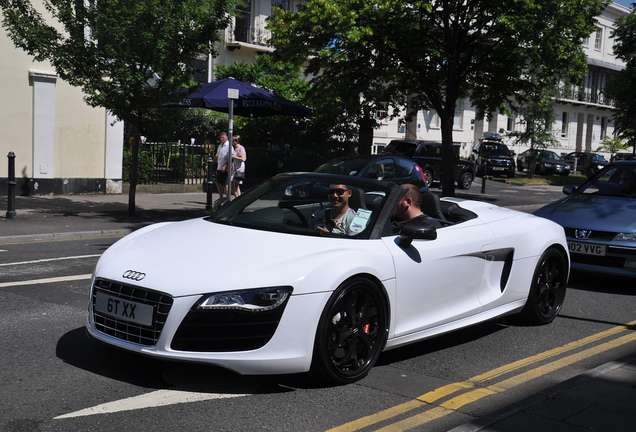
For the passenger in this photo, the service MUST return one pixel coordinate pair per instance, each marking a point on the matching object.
(338, 218)
(409, 208)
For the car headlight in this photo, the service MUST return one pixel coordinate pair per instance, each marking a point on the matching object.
(255, 300)
(630, 237)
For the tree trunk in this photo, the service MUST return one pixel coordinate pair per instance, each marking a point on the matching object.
(448, 156)
(134, 172)
(365, 134)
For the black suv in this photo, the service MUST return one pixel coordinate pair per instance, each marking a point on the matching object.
(428, 154)
(491, 151)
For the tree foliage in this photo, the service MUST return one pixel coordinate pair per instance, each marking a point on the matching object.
(128, 56)
(436, 52)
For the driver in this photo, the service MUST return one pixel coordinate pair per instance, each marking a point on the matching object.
(338, 218)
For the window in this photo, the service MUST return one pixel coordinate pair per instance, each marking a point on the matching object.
(564, 125)
(510, 125)
(603, 128)
(381, 114)
(243, 26)
(459, 115)
(434, 118)
(599, 39)
(283, 4)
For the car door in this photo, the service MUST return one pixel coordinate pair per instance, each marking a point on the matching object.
(439, 281)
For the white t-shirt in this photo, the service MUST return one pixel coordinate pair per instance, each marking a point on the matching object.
(221, 155)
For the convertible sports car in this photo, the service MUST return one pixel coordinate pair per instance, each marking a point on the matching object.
(256, 288)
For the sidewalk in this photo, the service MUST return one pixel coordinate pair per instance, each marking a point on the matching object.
(66, 216)
(603, 399)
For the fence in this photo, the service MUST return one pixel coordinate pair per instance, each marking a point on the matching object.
(183, 163)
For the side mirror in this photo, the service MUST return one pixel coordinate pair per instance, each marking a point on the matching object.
(569, 190)
(416, 230)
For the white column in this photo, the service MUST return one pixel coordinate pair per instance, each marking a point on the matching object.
(114, 154)
(43, 123)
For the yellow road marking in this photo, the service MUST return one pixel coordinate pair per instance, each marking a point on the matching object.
(457, 402)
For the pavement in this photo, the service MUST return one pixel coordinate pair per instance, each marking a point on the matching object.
(603, 399)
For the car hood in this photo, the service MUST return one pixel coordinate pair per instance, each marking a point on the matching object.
(198, 256)
(605, 213)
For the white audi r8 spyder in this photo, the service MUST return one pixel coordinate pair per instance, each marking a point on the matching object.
(258, 289)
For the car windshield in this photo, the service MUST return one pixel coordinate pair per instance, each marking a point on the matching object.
(495, 149)
(343, 166)
(597, 158)
(402, 148)
(614, 181)
(308, 204)
(549, 155)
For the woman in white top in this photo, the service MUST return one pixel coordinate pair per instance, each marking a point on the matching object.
(238, 159)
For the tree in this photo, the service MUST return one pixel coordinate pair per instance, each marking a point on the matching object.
(612, 145)
(621, 88)
(438, 52)
(536, 114)
(128, 56)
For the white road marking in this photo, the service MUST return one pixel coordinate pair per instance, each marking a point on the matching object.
(149, 400)
(49, 259)
(47, 280)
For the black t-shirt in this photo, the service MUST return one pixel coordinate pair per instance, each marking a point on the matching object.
(397, 224)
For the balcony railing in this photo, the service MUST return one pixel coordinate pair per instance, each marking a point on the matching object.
(585, 96)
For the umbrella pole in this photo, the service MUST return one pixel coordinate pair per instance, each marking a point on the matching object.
(231, 95)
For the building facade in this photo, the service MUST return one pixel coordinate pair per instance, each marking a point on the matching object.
(583, 114)
(61, 145)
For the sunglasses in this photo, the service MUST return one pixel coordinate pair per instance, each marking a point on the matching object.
(338, 191)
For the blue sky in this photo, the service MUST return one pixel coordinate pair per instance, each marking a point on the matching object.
(627, 3)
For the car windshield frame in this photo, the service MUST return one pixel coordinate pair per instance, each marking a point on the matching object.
(606, 182)
(291, 203)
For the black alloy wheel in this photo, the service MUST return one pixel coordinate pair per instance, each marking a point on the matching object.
(352, 332)
(547, 291)
(465, 181)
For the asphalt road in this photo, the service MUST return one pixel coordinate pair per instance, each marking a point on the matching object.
(54, 378)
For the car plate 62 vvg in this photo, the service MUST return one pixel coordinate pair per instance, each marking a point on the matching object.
(124, 309)
(586, 248)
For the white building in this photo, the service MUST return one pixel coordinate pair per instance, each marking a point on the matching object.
(61, 144)
(64, 146)
(583, 114)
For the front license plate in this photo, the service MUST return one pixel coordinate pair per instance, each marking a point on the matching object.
(586, 248)
(123, 309)
(498, 168)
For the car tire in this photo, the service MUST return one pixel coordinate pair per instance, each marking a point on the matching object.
(429, 177)
(465, 181)
(352, 332)
(519, 167)
(538, 169)
(547, 290)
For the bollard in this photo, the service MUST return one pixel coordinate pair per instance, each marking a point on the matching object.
(210, 185)
(11, 187)
(483, 176)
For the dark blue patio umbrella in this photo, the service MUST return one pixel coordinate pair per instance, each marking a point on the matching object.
(251, 101)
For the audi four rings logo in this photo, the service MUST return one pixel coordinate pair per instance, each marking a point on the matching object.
(134, 275)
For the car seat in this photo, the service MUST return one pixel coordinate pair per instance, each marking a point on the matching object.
(431, 205)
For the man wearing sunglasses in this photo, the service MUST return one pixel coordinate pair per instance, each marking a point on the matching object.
(338, 218)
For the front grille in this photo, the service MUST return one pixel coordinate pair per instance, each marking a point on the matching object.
(605, 261)
(131, 332)
(226, 330)
(594, 235)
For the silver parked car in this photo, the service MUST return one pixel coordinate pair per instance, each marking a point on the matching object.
(599, 218)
